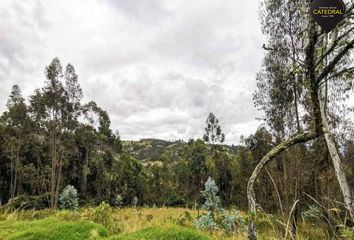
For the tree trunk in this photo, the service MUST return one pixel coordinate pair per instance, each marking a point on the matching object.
(12, 175)
(299, 138)
(17, 163)
(52, 180)
(58, 185)
(58, 179)
(85, 172)
(338, 167)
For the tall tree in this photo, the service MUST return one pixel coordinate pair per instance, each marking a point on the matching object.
(213, 133)
(288, 23)
(17, 126)
(54, 109)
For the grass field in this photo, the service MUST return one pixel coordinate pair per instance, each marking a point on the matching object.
(126, 224)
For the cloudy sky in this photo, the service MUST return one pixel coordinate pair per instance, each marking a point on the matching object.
(158, 67)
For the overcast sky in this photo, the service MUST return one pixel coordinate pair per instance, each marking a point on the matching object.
(157, 67)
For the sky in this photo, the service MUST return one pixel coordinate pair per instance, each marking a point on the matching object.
(158, 67)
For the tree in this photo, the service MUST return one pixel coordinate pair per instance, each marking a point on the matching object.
(73, 90)
(56, 108)
(211, 204)
(308, 65)
(54, 95)
(212, 201)
(213, 133)
(17, 124)
(195, 154)
(68, 198)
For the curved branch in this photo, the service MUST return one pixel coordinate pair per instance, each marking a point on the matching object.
(299, 138)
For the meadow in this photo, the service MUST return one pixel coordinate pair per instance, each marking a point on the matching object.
(104, 222)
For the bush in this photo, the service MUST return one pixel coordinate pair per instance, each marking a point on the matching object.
(28, 202)
(68, 198)
(117, 201)
(103, 214)
(212, 201)
(233, 222)
(216, 217)
(313, 212)
(135, 201)
(211, 204)
(206, 221)
(184, 219)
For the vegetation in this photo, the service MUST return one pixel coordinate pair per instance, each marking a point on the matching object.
(298, 164)
(49, 228)
(157, 233)
(68, 198)
(140, 223)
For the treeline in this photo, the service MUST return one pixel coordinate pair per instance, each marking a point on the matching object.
(52, 139)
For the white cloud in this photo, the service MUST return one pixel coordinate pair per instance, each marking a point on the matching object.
(158, 67)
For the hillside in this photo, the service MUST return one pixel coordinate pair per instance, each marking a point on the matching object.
(151, 149)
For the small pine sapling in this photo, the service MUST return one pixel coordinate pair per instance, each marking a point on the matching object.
(68, 198)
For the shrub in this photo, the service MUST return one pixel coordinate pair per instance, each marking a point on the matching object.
(212, 201)
(206, 221)
(135, 201)
(103, 214)
(233, 222)
(184, 219)
(211, 204)
(118, 201)
(68, 198)
(313, 212)
(28, 202)
(216, 217)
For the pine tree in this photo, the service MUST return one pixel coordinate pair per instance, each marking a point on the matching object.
(69, 199)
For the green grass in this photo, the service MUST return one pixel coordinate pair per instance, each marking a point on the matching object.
(54, 229)
(50, 229)
(135, 224)
(158, 233)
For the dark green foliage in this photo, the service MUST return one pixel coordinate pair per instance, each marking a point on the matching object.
(28, 202)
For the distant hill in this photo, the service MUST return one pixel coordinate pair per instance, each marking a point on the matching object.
(151, 149)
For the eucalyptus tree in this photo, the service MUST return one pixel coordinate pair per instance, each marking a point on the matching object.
(213, 133)
(195, 154)
(88, 134)
(55, 110)
(296, 67)
(17, 126)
